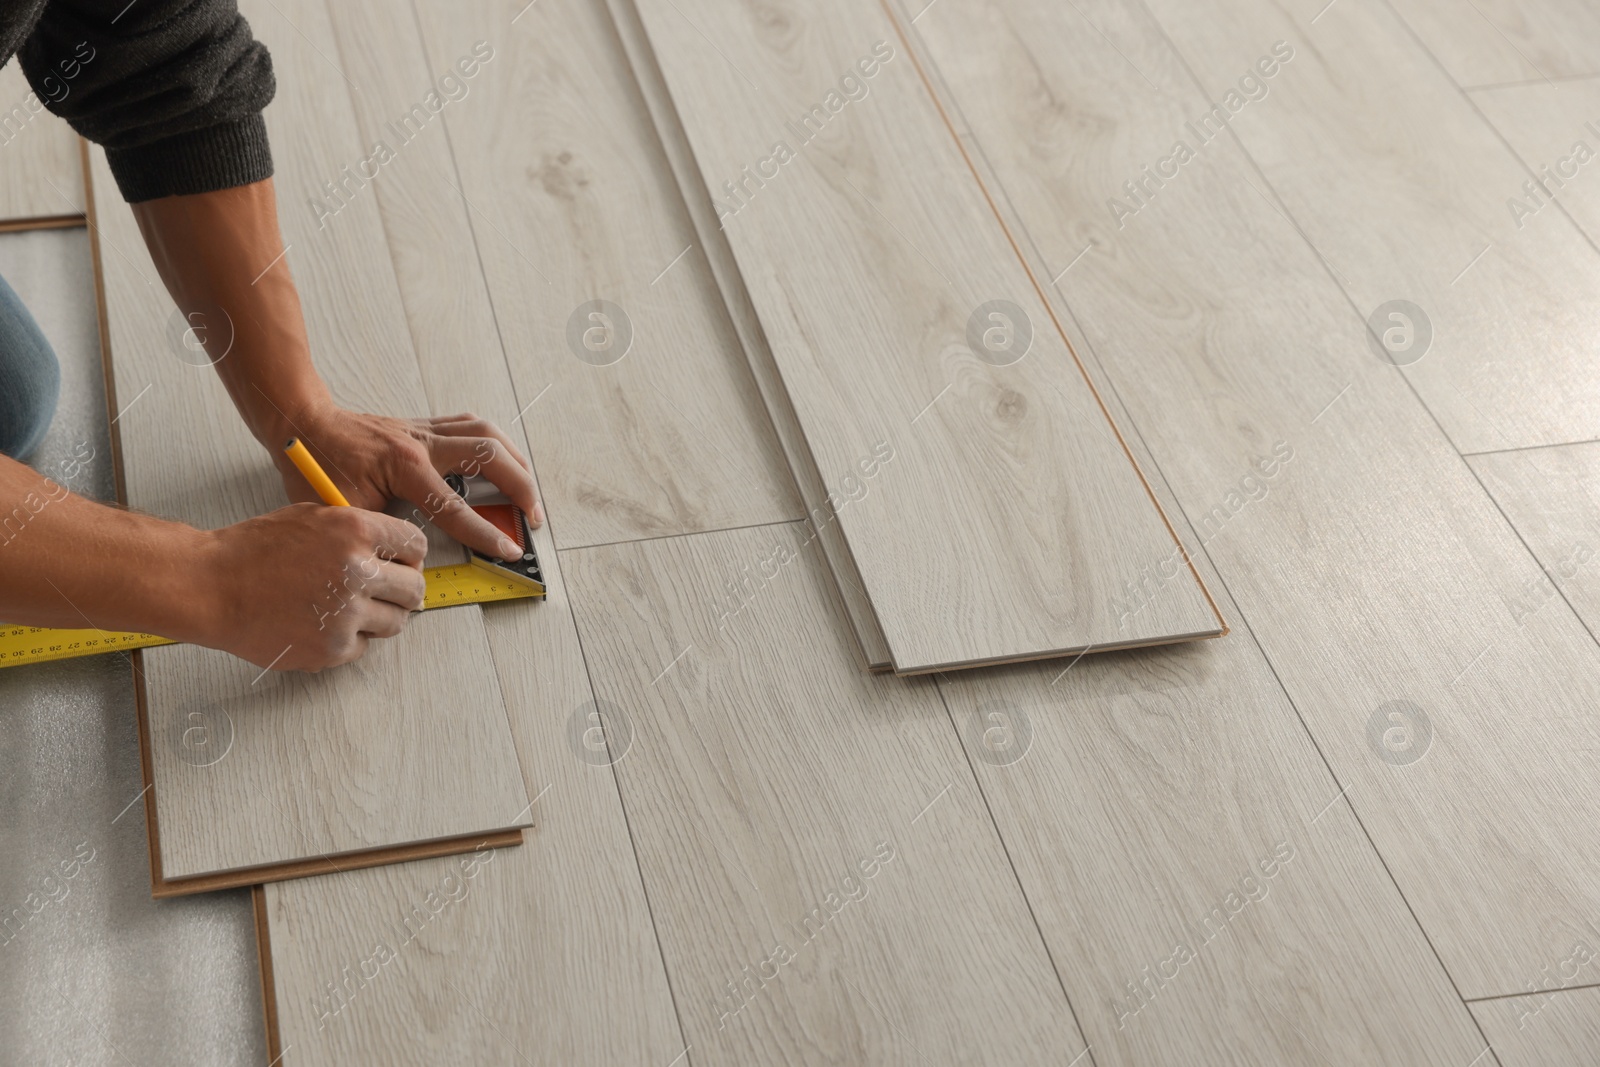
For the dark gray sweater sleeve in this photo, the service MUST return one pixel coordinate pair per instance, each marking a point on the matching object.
(172, 88)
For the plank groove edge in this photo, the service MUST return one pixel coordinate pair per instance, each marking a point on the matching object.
(802, 464)
(163, 889)
(42, 222)
(269, 988)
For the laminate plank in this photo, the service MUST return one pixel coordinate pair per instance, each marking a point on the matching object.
(1553, 128)
(347, 760)
(1374, 571)
(541, 954)
(1552, 497)
(868, 250)
(658, 429)
(821, 513)
(1554, 1027)
(826, 884)
(41, 175)
(520, 959)
(1264, 929)
(1482, 42)
(1401, 186)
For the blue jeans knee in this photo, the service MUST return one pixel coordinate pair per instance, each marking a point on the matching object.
(30, 378)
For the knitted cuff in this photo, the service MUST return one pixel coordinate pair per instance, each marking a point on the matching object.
(202, 161)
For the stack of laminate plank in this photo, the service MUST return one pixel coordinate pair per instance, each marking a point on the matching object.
(964, 480)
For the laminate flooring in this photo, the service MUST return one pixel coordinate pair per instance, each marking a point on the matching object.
(1267, 473)
(1488, 42)
(820, 513)
(41, 178)
(628, 375)
(1552, 497)
(1552, 1025)
(1487, 320)
(798, 951)
(1554, 127)
(508, 957)
(1356, 829)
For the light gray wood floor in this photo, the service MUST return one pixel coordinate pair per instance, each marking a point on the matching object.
(1357, 829)
(39, 171)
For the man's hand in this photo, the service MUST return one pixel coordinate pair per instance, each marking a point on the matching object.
(374, 459)
(303, 587)
(307, 586)
(225, 264)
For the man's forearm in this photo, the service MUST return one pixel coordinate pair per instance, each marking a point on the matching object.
(68, 562)
(221, 257)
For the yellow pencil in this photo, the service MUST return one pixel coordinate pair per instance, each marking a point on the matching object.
(308, 465)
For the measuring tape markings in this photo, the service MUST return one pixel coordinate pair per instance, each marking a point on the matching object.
(461, 583)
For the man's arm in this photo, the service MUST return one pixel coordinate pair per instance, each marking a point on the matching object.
(174, 89)
(304, 587)
(223, 261)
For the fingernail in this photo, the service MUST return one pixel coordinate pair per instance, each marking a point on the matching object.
(509, 549)
(538, 514)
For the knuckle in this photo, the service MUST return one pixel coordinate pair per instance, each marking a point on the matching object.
(390, 534)
(348, 521)
(347, 651)
(402, 452)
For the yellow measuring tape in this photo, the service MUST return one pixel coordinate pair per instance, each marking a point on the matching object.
(461, 583)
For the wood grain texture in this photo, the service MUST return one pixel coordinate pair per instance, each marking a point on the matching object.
(826, 884)
(572, 201)
(40, 175)
(821, 515)
(411, 743)
(1556, 1027)
(1552, 497)
(1401, 186)
(547, 955)
(542, 954)
(1010, 520)
(1330, 967)
(1481, 42)
(1546, 124)
(1358, 547)
(1250, 923)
